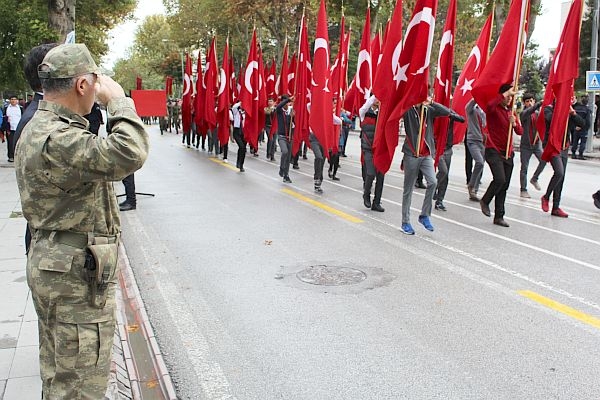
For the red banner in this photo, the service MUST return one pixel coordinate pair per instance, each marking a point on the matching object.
(150, 103)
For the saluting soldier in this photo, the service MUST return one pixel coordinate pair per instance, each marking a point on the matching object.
(65, 174)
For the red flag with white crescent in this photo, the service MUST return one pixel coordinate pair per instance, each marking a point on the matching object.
(473, 66)
(249, 94)
(281, 87)
(186, 98)
(210, 86)
(506, 57)
(270, 81)
(302, 86)
(224, 101)
(563, 72)
(402, 77)
(291, 76)
(375, 55)
(442, 86)
(364, 65)
(320, 119)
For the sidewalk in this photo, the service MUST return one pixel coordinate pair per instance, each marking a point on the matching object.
(139, 374)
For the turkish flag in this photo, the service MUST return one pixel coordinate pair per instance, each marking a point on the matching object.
(262, 94)
(364, 65)
(375, 55)
(442, 86)
(224, 101)
(270, 82)
(233, 92)
(504, 63)
(473, 67)
(186, 104)
(281, 86)
(321, 110)
(564, 71)
(337, 79)
(302, 92)
(249, 94)
(291, 77)
(199, 100)
(402, 77)
(350, 99)
(211, 77)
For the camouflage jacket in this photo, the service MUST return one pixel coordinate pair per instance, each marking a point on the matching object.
(65, 173)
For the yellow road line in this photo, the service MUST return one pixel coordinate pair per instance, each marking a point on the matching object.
(322, 206)
(561, 308)
(216, 160)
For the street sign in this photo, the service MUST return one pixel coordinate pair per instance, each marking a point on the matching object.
(592, 81)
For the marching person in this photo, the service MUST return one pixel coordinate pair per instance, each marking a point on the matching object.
(368, 114)
(418, 147)
(475, 145)
(500, 118)
(238, 135)
(530, 143)
(75, 237)
(285, 128)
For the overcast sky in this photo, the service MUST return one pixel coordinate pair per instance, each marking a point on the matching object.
(546, 34)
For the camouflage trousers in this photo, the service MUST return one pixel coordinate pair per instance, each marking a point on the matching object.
(75, 338)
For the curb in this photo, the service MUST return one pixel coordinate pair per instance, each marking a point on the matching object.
(137, 328)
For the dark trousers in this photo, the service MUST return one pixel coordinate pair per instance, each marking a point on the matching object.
(238, 136)
(468, 162)
(442, 175)
(501, 173)
(378, 187)
(559, 165)
(579, 140)
(271, 145)
(344, 139)
(225, 150)
(286, 156)
(129, 183)
(10, 142)
(186, 138)
(334, 163)
(319, 159)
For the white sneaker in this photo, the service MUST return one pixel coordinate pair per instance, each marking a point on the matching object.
(525, 195)
(535, 184)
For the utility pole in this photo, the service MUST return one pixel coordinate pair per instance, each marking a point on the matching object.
(593, 66)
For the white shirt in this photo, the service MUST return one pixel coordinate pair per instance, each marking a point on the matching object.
(237, 115)
(14, 116)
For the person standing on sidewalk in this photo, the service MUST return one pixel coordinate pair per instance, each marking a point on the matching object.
(65, 174)
(12, 115)
(530, 143)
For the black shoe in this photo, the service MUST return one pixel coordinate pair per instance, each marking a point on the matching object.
(11, 160)
(367, 201)
(500, 222)
(596, 197)
(318, 190)
(287, 179)
(439, 205)
(242, 169)
(272, 158)
(334, 178)
(420, 185)
(281, 172)
(344, 155)
(304, 157)
(329, 174)
(485, 208)
(126, 207)
(296, 166)
(581, 157)
(377, 207)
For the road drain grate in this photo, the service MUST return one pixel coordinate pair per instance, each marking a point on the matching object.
(330, 275)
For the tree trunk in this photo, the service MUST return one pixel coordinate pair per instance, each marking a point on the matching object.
(61, 17)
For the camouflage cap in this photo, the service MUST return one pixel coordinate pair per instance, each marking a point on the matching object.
(68, 61)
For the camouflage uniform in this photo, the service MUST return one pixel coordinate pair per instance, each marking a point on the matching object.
(65, 174)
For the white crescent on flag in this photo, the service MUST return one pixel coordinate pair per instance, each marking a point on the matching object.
(445, 42)
(222, 79)
(186, 84)
(475, 52)
(252, 65)
(425, 15)
(363, 56)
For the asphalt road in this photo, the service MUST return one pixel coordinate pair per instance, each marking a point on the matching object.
(469, 311)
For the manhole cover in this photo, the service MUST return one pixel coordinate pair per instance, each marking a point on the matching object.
(331, 275)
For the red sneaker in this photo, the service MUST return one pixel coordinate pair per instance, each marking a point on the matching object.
(545, 204)
(557, 212)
